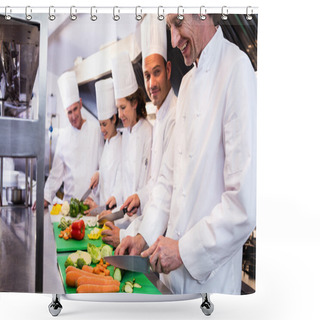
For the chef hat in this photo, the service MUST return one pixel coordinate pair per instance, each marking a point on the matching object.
(106, 104)
(124, 79)
(68, 87)
(153, 36)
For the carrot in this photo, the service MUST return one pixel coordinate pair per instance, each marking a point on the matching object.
(87, 268)
(96, 288)
(96, 280)
(72, 276)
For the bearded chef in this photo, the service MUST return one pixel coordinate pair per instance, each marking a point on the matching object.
(205, 195)
(156, 72)
(79, 147)
(107, 180)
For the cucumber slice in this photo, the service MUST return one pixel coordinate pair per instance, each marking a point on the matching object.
(137, 285)
(118, 274)
(128, 288)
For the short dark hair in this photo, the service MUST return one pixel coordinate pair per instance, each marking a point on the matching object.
(139, 97)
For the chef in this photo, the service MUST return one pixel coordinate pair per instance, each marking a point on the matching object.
(107, 180)
(79, 147)
(156, 72)
(205, 196)
(136, 139)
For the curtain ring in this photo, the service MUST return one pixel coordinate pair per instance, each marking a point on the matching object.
(28, 16)
(224, 13)
(180, 16)
(203, 15)
(138, 16)
(93, 17)
(160, 16)
(116, 17)
(51, 16)
(249, 15)
(7, 16)
(73, 17)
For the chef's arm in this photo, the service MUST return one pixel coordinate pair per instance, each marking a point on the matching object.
(220, 235)
(55, 178)
(157, 210)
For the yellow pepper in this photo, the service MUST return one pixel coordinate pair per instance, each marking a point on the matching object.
(56, 209)
(95, 234)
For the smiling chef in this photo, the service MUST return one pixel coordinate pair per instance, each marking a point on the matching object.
(79, 147)
(205, 195)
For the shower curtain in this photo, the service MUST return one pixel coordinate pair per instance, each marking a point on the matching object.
(154, 114)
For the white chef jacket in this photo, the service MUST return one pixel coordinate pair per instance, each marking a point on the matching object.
(206, 191)
(162, 133)
(75, 160)
(136, 154)
(110, 179)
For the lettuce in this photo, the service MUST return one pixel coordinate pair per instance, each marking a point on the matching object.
(94, 252)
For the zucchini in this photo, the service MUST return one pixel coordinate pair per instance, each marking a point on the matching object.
(128, 288)
(118, 274)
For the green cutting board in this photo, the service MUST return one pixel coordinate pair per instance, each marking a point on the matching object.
(146, 285)
(72, 244)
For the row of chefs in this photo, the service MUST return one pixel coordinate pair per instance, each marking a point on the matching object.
(191, 177)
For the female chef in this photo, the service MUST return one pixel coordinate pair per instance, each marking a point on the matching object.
(107, 181)
(136, 140)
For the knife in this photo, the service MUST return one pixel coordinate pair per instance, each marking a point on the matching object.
(113, 216)
(132, 263)
(84, 197)
(98, 210)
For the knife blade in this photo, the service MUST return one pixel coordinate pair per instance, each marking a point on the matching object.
(85, 195)
(131, 263)
(98, 210)
(113, 216)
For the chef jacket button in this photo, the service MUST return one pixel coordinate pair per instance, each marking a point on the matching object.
(190, 156)
(178, 233)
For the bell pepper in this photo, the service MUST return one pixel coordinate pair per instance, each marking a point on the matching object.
(78, 230)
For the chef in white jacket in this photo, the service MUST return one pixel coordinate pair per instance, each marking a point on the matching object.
(136, 139)
(156, 71)
(79, 146)
(205, 195)
(107, 180)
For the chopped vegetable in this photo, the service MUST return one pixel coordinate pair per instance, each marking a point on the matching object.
(65, 208)
(64, 223)
(95, 234)
(78, 230)
(128, 288)
(94, 252)
(129, 285)
(56, 209)
(80, 263)
(75, 256)
(118, 274)
(69, 262)
(106, 250)
(66, 234)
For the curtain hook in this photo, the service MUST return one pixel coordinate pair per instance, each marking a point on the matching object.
(249, 15)
(160, 16)
(51, 16)
(180, 16)
(93, 17)
(73, 16)
(224, 13)
(116, 17)
(203, 15)
(28, 16)
(138, 16)
(7, 16)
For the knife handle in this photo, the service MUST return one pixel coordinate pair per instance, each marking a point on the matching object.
(108, 208)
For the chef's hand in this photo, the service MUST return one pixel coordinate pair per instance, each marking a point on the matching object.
(131, 245)
(94, 180)
(45, 205)
(111, 202)
(90, 202)
(103, 213)
(111, 236)
(164, 255)
(132, 204)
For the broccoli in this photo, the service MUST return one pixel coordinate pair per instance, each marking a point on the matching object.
(68, 263)
(80, 263)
